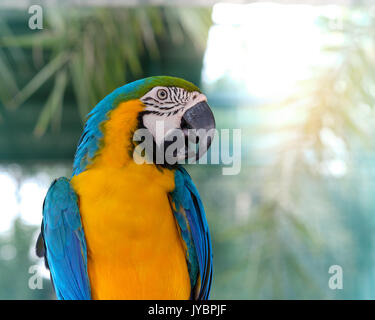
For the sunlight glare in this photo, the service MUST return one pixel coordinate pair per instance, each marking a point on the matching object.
(266, 47)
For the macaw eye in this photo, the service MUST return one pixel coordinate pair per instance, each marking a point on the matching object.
(162, 94)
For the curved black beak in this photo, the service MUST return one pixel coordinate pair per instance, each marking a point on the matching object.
(198, 117)
(198, 124)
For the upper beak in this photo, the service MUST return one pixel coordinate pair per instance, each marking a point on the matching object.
(201, 119)
(198, 116)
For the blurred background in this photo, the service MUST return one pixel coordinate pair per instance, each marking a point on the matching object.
(297, 77)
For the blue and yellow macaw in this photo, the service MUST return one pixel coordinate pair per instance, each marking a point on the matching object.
(122, 230)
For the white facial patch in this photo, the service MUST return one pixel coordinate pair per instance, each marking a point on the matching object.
(165, 107)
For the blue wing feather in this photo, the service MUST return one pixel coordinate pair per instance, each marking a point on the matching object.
(195, 233)
(65, 242)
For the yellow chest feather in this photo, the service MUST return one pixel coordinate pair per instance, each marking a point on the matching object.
(134, 247)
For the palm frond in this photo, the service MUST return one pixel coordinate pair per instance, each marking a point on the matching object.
(99, 49)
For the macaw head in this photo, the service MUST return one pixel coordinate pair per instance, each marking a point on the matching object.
(169, 110)
(176, 113)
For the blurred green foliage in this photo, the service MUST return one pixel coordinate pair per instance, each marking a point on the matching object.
(16, 258)
(95, 50)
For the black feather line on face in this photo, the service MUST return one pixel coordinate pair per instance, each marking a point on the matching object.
(169, 108)
(151, 98)
(150, 104)
(159, 107)
(170, 93)
(172, 112)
